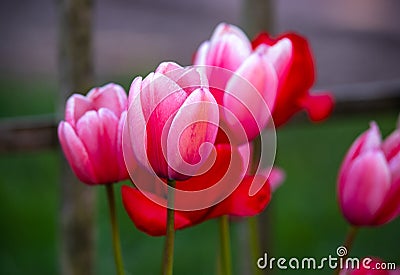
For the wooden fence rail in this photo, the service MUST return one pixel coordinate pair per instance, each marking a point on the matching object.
(22, 134)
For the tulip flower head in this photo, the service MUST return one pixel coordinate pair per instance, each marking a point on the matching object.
(243, 81)
(172, 121)
(91, 135)
(369, 179)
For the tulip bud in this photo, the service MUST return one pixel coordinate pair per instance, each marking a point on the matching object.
(369, 182)
(91, 135)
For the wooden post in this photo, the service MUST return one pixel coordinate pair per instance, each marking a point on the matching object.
(258, 15)
(77, 211)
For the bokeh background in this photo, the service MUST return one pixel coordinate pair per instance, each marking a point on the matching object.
(356, 44)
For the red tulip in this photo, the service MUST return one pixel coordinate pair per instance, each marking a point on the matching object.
(172, 121)
(91, 135)
(295, 81)
(150, 217)
(243, 81)
(369, 179)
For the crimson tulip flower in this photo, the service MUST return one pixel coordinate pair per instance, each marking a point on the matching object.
(150, 217)
(91, 135)
(369, 179)
(295, 81)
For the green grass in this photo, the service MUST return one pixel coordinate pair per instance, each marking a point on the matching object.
(304, 216)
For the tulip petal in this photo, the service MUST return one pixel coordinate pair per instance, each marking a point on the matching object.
(262, 38)
(318, 106)
(192, 78)
(295, 81)
(110, 96)
(134, 90)
(189, 78)
(200, 56)
(161, 98)
(240, 203)
(123, 172)
(90, 131)
(229, 47)
(219, 181)
(250, 96)
(192, 133)
(279, 55)
(301, 75)
(111, 144)
(76, 153)
(77, 105)
(391, 145)
(364, 190)
(166, 67)
(391, 207)
(135, 139)
(394, 166)
(369, 140)
(224, 28)
(148, 216)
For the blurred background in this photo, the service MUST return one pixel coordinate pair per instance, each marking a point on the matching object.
(356, 45)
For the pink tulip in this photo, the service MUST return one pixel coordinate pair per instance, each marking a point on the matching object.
(246, 82)
(91, 135)
(172, 120)
(369, 179)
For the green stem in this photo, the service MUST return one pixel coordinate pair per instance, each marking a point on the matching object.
(351, 235)
(253, 222)
(226, 261)
(170, 236)
(348, 243)
(254, 243)
(114, 229)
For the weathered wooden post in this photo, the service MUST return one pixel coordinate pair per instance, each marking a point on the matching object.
(257, 16)
(77, 209)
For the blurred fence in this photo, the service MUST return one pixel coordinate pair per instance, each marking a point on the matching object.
(40, 132)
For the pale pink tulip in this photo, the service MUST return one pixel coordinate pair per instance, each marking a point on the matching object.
(246, 81)
(91, 135)
(172, 121)
(369, 179)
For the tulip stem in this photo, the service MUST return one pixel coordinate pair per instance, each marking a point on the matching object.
(226, 261)
(170, 236)
(348, 243)
(254, 243)
(115, 231)
(253, 222)
(351, 235)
